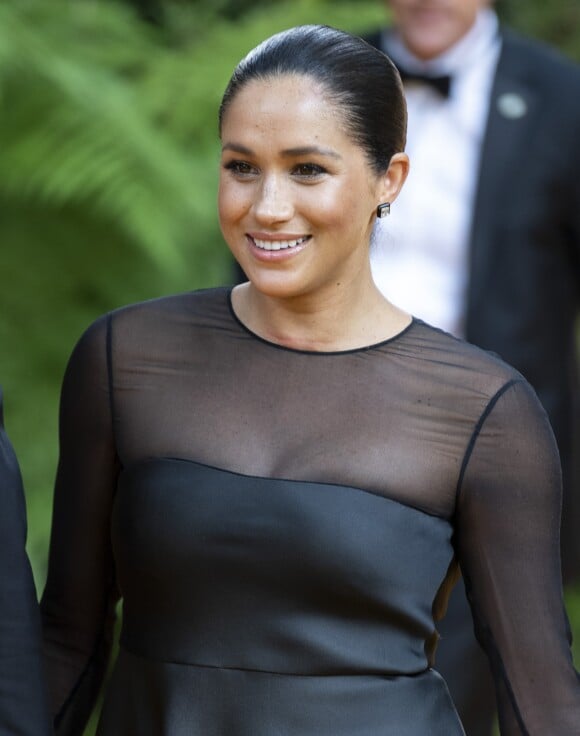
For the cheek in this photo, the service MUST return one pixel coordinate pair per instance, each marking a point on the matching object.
(233, 202)
(354, 200)
(466, 16)
(332, 206)
(322, 210)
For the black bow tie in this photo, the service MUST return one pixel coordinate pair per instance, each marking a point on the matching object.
(441, 83)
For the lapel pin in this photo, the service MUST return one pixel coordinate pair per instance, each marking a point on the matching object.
(512, 106)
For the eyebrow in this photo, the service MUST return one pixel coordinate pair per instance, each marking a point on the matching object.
(290, 152)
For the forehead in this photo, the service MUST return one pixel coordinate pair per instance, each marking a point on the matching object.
(287, 103)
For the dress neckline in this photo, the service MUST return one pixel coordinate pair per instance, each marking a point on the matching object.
(278, 346)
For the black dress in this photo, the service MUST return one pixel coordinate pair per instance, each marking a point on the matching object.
(23, 705)
(283, 527)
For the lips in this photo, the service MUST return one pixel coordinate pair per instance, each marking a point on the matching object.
(278, 244)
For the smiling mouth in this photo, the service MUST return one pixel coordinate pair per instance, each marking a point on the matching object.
(278, 244)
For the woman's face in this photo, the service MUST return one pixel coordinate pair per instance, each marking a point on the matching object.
(297, 197)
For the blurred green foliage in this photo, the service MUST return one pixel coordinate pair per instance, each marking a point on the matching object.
(108, 174)
(556, 22)
(108, 160)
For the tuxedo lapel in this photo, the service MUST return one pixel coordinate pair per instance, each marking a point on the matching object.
(506, 149)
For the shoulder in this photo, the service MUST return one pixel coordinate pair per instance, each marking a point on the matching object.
(189, 303)
(135, 328)
(551, 84)
(152, 312)
(475, 384)
(451, 361)
(538, 61)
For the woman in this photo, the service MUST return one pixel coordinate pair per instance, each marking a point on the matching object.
(23, 707)
(280, 479)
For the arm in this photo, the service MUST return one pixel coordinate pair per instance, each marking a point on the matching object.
(23, 708)
(508, 518)
(80, 595)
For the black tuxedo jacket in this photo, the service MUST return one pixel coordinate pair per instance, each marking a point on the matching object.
(524, 279)
(23, 706)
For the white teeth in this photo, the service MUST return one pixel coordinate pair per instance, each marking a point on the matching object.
(278, 244)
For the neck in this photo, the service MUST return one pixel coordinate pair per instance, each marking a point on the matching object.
(346, 317)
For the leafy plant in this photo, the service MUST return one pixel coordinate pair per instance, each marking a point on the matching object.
(108, 154)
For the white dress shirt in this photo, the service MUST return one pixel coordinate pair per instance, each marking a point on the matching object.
(419, 255)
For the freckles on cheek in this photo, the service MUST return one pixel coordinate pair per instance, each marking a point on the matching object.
(328, 208)
(230, 204)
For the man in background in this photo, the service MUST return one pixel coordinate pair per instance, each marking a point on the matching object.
(484, 240)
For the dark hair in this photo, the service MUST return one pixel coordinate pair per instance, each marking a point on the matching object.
(360, 79)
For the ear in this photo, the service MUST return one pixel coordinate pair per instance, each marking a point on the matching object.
(391, 182)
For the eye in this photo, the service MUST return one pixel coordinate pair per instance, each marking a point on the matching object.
(241, 169)
(308, 171)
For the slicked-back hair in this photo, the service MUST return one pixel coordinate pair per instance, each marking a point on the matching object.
(362, 81)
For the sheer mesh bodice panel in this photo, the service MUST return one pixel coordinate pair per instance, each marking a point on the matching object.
(296, 513)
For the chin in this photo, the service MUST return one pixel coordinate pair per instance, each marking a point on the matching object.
(277, 285)
(431, 42)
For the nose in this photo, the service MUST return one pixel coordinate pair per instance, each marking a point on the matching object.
(273, 201)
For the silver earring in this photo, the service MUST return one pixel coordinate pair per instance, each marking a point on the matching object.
(383, 210)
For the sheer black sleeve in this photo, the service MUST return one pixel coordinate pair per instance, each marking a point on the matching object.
(508, 518)
(79, 599)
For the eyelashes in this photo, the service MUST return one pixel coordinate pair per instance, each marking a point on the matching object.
(240, 168)
(302, 171)
(309, 171)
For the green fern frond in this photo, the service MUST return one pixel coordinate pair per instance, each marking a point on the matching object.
(71, 132)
